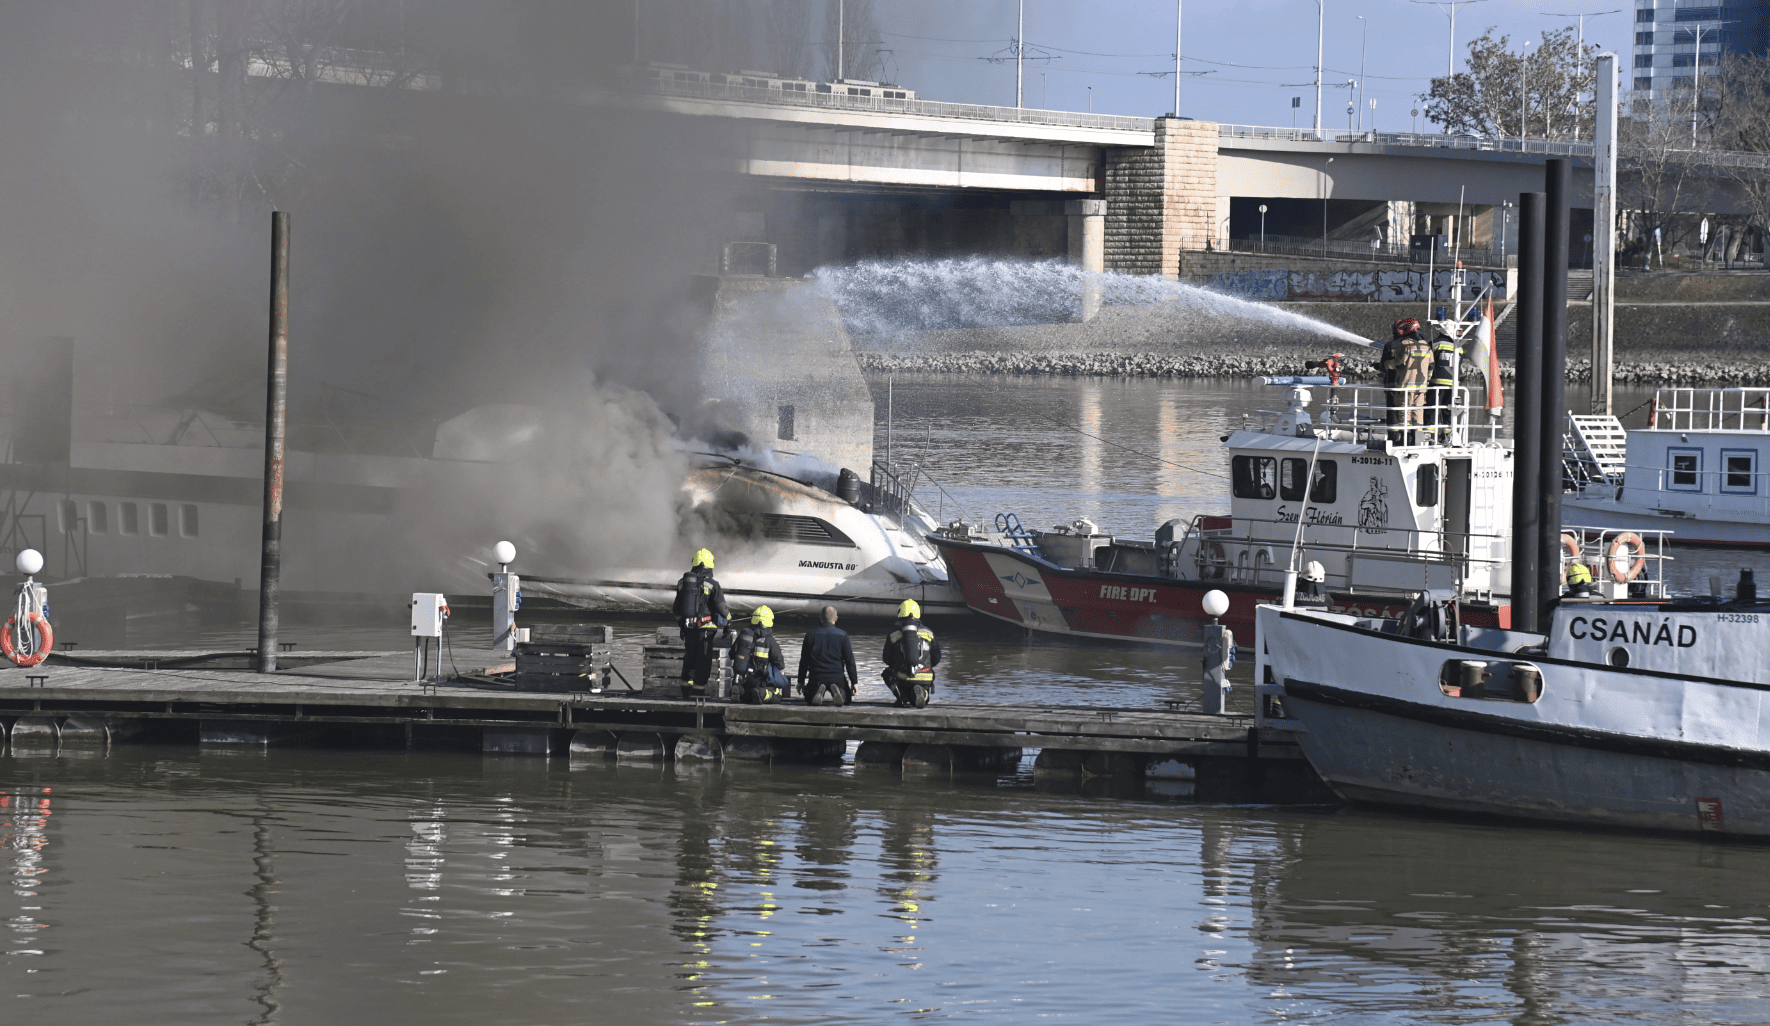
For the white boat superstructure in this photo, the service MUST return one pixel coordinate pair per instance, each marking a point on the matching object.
(1697, 468)
(1650, 714)
(1388, 508)
(790, 545)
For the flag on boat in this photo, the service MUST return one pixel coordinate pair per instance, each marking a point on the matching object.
(1485, 355)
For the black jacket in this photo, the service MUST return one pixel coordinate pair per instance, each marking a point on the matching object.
(893, 655)
(760, 643)
(714, 597)
(827, 655)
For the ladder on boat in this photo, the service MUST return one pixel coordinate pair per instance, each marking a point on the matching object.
(1594, 449)
(1019, 538)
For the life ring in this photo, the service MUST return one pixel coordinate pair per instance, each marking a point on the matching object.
(44, 633)
(1211, 561)
(1569, 545)
(1627, 545)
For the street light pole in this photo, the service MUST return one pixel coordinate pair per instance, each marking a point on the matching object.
(1364, 32)
(1179, 6)
(1020, 56)
(1450, 56)
(1696, 87)
(1579, 56)
(1320, 25)
(1523, 89)
(1262, 227)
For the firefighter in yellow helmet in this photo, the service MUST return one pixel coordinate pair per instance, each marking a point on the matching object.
(701, 612)
(911, 654)
(1442, 383)
(758, 669)
(1579, 580)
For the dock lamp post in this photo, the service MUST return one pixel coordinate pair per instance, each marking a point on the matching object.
(1262, 227)
(506, 598)
(1219, 655)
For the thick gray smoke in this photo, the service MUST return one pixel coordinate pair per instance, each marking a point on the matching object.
(471, 228)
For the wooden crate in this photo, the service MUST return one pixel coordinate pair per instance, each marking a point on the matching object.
(662, 673)
(561, 666)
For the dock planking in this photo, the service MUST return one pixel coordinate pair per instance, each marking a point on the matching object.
(374, 688)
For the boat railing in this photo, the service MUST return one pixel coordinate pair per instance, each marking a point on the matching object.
(1460, 550)
(1403, 415)
(1632, 558)
(1017, 537)
(1711, 409)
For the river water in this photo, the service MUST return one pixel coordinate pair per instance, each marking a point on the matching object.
(196, 885)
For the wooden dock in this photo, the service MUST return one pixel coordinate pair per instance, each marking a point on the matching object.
(359, 699)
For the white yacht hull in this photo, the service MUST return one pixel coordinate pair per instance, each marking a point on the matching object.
(1686, 528)
(1638, 749)
(787, 595)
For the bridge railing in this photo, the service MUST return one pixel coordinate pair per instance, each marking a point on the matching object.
(926, 108)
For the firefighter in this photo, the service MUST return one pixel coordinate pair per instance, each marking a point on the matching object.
(1402, 334)
(1442, 379)
(1579, 581)
(701, 611)
(911, 654)
(1416, 370)
(758, 668)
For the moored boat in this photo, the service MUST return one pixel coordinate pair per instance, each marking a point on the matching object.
(1645, 714)
(1696, 468)
(1382, 510)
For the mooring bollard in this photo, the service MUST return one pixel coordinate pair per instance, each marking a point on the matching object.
(1219, 655)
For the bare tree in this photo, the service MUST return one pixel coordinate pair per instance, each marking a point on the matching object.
(1658, 179)
(1736, 115)
(1538, 94)
(787, 41)
(859, 40)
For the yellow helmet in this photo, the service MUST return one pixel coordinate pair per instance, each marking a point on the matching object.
(704, 558)
(910, 610)
(763, 616)
(1579, 573)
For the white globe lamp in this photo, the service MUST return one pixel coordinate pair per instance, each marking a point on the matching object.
(504, 553)
(1216, 603)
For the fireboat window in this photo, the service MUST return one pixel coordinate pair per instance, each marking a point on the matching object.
(785, 428)
(1254, 477)
(1686, 470)
(1426, 486)
(1739, 471)
(1290, 480)
(97, 519)
(128, 519)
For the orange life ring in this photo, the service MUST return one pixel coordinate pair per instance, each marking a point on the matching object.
(1621, 548)
(1212, 561)
(41, 626)
(1570, 545)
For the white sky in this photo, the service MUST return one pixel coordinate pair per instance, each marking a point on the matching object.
(1259, 53)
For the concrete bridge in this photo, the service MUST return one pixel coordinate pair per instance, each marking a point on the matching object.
(846, 176)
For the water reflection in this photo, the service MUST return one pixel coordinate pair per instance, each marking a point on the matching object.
(450, 889)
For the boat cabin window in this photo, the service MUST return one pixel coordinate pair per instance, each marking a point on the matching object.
(1254, 477)
(1686, 470)
(1426, 486)
(70, 516)
(1290, 480)
(807, 530)
(1739, 471)
(159, 520)
(128, 520)
(187, 520)
(785, 428)
(1499, 680)
(96, 519)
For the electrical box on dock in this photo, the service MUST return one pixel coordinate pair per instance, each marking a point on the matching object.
(429, 610)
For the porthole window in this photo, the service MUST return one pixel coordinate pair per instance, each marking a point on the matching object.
(1617, 656)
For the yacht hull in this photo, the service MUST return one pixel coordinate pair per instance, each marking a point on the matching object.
(1686, 530)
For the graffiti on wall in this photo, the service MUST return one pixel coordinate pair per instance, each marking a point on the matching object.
(1357, 286)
